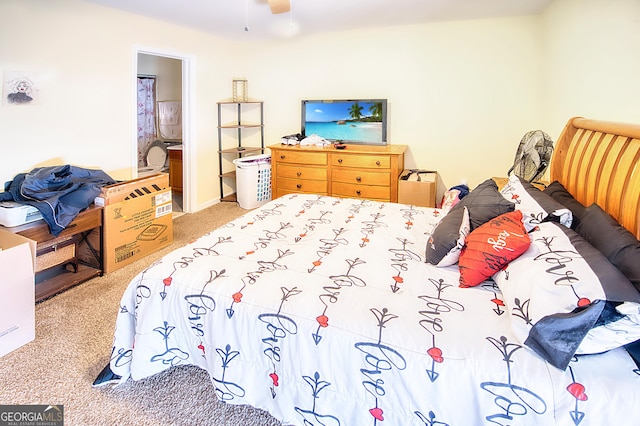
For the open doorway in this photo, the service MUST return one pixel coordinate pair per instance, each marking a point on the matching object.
(164, 146)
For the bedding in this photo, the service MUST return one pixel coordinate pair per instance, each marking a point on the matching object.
(448, 238)
(323, 310)
(557, 291)
(559, 193)
(327, 311)
(616, 243)
(481, 205)
(491, 246)
(535, 205)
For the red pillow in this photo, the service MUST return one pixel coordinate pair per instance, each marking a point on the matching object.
(491, 246)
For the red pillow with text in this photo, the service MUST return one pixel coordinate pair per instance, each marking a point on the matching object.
(491, 246)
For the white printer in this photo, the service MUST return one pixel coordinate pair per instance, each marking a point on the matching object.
(14, 214)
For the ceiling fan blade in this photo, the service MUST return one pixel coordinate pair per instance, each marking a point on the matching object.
(279, 6)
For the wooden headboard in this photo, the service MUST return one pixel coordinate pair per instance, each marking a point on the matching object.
(599, 162)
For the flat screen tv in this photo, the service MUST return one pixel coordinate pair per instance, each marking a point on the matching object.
(362, 121)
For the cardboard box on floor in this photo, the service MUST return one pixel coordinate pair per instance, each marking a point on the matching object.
(133, 188)
(137, 220)
(17, 286)
(418, 193)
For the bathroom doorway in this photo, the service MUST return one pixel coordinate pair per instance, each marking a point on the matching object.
(169, 74)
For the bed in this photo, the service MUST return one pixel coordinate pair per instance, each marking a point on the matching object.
(330, 311)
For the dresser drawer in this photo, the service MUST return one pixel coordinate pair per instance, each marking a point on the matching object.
(287, 185)
(350, 190)
(363, 177)
(307, 158)
(360, 171)
(361, 161)
(297, 171)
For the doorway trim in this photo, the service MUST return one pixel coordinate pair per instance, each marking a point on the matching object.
(188, 97)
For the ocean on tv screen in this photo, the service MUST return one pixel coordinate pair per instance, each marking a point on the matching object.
(346, 131)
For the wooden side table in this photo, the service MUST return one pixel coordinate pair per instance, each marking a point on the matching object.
(68, 259)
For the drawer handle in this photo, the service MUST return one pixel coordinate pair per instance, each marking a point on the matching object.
(358, 179)
(339, 160)
(282, 157)
(377, 163)
(299, 174)
(299, 186)
(358, 192)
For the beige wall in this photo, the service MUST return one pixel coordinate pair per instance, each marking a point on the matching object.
(455, 90)
(168, 72)
(461, 94)
(591, 61)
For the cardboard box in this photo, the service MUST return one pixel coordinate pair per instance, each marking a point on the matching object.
(17, 283)
(418, 193)
(131, 189)
(136, 226)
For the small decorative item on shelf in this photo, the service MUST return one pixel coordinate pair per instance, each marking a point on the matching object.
(240, 90)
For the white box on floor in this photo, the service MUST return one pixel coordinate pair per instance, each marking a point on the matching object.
(17, 286)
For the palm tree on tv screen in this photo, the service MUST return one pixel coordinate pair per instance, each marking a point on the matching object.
(376, 109)
(356, 111)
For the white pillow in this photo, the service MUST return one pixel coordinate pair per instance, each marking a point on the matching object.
(535, 205)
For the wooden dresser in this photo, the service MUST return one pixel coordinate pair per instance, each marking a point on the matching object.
(63, 261)
(359, 171)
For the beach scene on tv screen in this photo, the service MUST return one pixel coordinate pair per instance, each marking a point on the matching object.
(345, 121)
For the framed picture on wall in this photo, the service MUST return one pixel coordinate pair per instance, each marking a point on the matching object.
(20, 88)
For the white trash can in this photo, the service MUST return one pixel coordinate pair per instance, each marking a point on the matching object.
(253, 180)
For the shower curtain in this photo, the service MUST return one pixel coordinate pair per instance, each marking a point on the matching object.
(146, 115)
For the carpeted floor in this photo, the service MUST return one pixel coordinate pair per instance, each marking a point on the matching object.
(74, 332)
